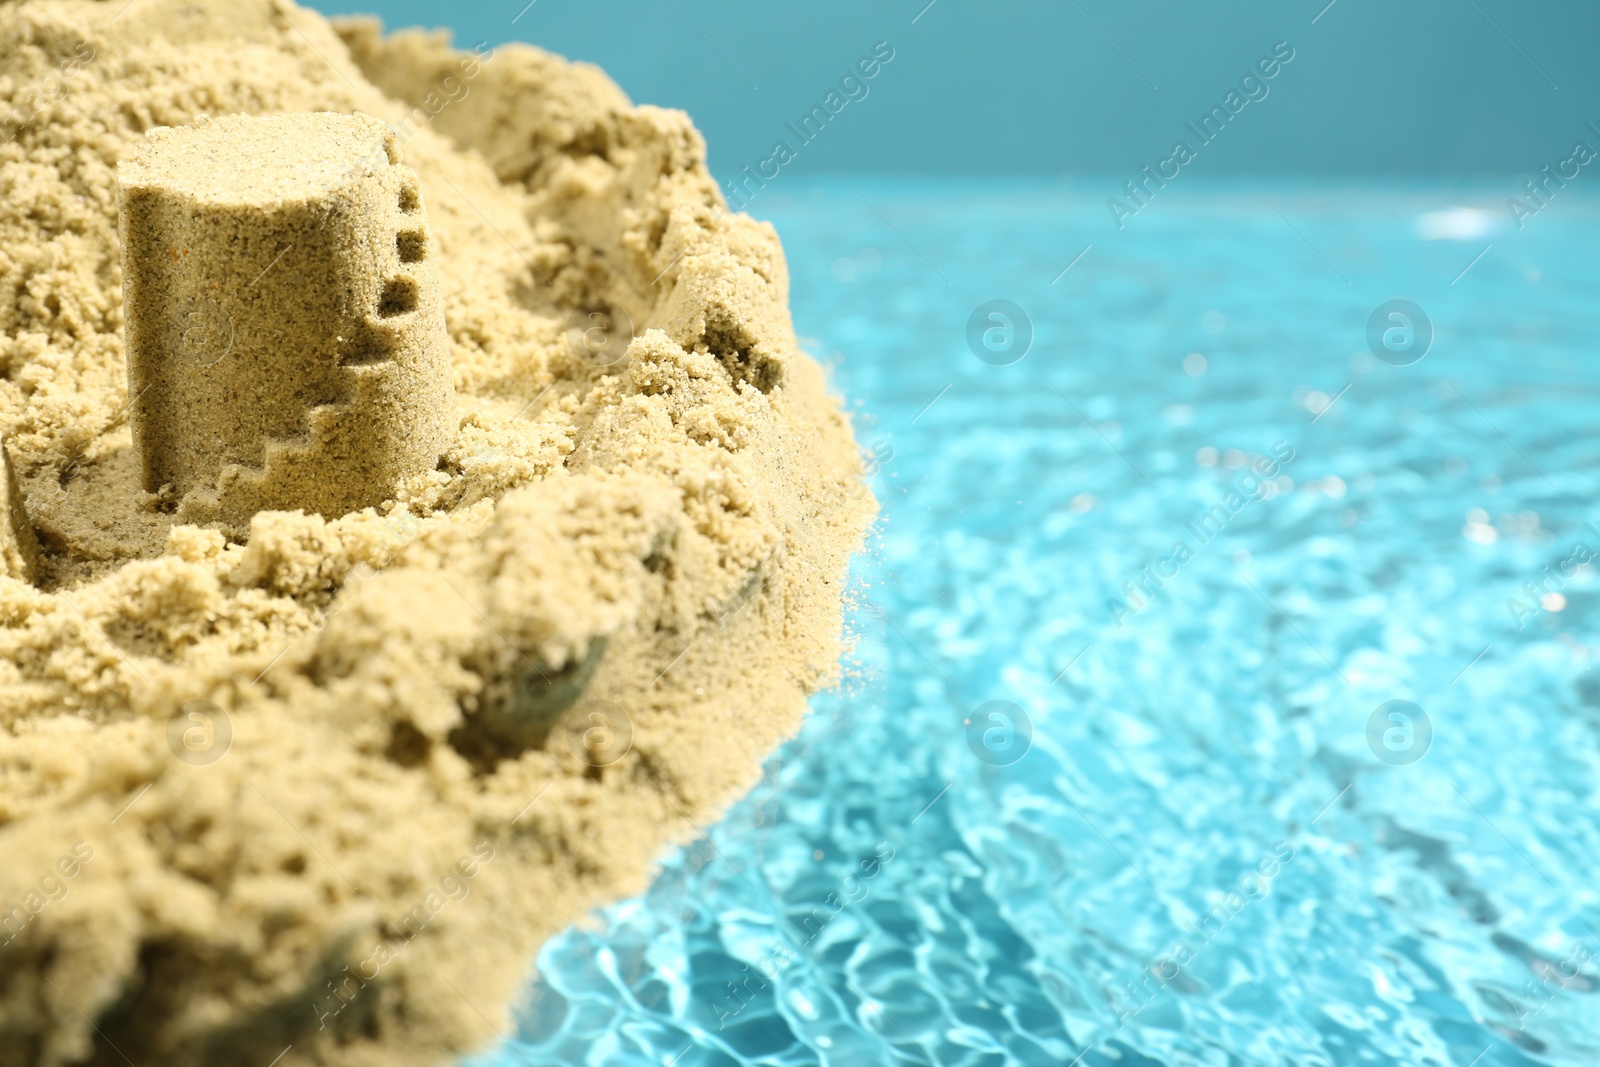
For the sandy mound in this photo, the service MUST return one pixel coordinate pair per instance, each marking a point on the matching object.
(329, 784)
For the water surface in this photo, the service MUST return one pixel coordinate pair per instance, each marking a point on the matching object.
(1069, 746)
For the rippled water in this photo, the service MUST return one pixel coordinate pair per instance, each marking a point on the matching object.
(1198, 831)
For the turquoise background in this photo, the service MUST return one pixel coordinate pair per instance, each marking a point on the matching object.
(1438, 87)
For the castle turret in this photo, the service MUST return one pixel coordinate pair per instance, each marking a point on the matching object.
(285, 334)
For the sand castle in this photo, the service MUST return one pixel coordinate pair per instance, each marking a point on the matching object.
(573, 640)
(286, 340)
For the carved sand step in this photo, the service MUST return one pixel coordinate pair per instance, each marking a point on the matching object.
(285, 334)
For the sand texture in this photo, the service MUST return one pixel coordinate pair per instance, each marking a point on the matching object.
(286, 340)
(324, 781)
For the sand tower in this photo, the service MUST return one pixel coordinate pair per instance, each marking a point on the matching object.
(285, 335)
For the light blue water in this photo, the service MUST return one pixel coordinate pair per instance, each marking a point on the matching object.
(889, 897)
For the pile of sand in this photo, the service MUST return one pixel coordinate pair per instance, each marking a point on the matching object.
(328, 783)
